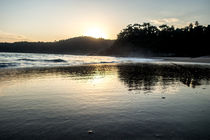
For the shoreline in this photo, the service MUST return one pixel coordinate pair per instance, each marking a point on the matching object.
(22, 61)
(203, 59)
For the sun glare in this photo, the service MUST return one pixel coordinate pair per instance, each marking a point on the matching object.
(96, 33)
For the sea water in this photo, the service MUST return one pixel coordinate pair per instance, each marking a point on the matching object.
(23, 60)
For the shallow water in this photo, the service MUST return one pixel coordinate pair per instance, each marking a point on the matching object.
(115, 101)
(33, 60)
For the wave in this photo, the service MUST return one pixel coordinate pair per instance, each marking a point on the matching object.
(43, 60)
(6, 65)
(104, 62)
(55, 60)
(25, 59)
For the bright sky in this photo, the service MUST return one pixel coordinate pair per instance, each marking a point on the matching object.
(49, 20)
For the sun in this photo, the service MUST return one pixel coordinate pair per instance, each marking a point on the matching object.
(96, 33)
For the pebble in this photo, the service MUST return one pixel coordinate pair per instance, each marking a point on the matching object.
(163, 97)
(90, 131)
(158, 135)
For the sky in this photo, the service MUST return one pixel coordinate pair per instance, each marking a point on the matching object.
(50, 20)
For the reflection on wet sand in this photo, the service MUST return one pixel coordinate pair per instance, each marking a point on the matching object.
(68, 102)
(78, 72)
(135, 76)
(146, 76)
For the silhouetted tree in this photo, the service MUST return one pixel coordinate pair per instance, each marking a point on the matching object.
(196, 24)
(164, 40)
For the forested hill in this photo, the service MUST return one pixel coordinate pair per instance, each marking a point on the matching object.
(148, 40)
(78, 45)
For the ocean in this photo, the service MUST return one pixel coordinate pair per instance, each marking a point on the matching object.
(26, 60)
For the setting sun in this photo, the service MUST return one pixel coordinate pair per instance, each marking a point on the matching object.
(96, 33)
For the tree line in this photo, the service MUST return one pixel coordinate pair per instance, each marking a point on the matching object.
(147, 39)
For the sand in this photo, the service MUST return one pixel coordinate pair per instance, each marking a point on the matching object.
(129, 101)
(187, 59)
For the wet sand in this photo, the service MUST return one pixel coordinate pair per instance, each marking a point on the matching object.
(187, 59)
(106, 101)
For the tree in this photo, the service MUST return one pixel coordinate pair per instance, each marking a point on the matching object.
(196, 24)
(188, 41)
(164, 27)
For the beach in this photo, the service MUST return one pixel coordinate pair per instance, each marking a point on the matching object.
(204, 59)
(104, 70)
(106, 101)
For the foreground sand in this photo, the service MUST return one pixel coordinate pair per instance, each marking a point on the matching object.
(128, 101)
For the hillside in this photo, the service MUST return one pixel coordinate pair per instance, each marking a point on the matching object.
(78, 45)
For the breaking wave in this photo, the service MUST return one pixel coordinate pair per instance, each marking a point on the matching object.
(6, 65)
(24, 60)
(53, 60)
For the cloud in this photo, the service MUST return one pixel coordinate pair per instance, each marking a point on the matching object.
(10, 37)
(165, 21)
